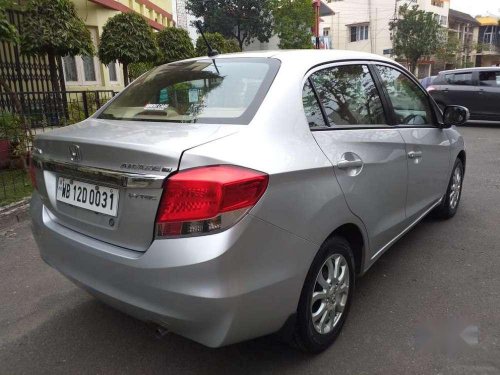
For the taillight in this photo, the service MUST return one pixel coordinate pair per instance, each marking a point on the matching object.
(206, 199)
(32, 172)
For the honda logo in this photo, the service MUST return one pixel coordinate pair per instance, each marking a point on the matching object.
(74, 153)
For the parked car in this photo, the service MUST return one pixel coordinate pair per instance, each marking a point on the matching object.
(478, 89)
(427, 81)
(231, 197)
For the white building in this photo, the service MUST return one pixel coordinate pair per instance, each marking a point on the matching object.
(363, 25)
(184, 19)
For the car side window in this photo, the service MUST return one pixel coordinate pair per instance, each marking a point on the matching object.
(349, 95)
(459, 79)
(490, 78)
(411, 105)
(311, 107)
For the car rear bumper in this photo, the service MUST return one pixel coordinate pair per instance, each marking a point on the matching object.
(216, 289)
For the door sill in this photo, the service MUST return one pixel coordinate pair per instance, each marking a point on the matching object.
(415, 222)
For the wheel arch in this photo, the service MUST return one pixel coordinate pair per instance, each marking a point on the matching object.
(462, 156)
(355, 236)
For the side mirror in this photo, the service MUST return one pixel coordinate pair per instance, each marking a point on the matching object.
(455, 115)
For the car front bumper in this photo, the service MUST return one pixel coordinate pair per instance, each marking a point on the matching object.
(216, 289)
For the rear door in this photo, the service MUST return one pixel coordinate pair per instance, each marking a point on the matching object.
(489, 95)
(427, 145)
(368, 155)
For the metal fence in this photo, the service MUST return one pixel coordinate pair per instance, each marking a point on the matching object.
(25, 73)
(25, 114)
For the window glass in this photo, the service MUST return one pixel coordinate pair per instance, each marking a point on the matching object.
(359, 33)
(353, 33)
(112, 72)
(89, 68)
(227, 91)
(490, 78)
(70, 73)
(410, 103)
(462, 79)
(349, 95)
(311, 107)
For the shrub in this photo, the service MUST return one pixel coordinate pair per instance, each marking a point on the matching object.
(127, 38)
(217, 42)
(174, 44)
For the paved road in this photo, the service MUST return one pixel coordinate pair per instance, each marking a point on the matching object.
(440, 281)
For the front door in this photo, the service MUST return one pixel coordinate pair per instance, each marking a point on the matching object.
(461, 89)
(368, 155)
(427, 145)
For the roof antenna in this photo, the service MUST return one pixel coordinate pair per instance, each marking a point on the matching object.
(211, 52)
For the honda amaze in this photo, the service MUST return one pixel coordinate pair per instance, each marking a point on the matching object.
(230, 197)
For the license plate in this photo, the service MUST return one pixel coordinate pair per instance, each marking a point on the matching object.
(91, 197)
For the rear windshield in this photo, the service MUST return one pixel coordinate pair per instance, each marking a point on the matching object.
(227, 91)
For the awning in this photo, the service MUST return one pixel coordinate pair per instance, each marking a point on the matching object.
(325, 10)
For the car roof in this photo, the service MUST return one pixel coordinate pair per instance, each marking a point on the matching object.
(312, 55)
(463, 70)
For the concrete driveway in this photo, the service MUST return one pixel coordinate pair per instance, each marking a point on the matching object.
(431, 305)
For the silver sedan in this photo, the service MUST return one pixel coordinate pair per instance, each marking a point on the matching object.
(231, 197)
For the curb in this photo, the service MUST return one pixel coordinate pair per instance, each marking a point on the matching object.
(14, 213)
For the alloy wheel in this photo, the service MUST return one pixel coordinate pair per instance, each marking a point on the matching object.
(330, 293)
(456, 187)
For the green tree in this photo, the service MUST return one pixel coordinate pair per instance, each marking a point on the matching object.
(293, 20)
(8, 33)
(127, 37)
(174, 44)
(232, 45)
(53, 27)
(135, 70)
(415, 34)
(243, 20)
(217, 42)
(448, 52)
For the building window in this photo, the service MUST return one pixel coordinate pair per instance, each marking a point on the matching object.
(113, 76)
(326, 31)
(489, 32)
(359, 32)
(82, 70)
(88, 69)
(437, 3)
(442, 20)
(70, 73)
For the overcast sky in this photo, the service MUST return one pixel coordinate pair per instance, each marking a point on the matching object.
(476, 7)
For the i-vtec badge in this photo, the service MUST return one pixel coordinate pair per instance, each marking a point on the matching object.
(145, 167)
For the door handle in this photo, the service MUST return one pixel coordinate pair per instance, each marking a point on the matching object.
(346, 164)
(415, 154)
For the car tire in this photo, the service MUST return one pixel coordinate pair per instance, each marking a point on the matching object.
(315, 331)
(449, 205)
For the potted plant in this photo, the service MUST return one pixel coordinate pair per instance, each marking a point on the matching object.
(15, 142)
(6, 133)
